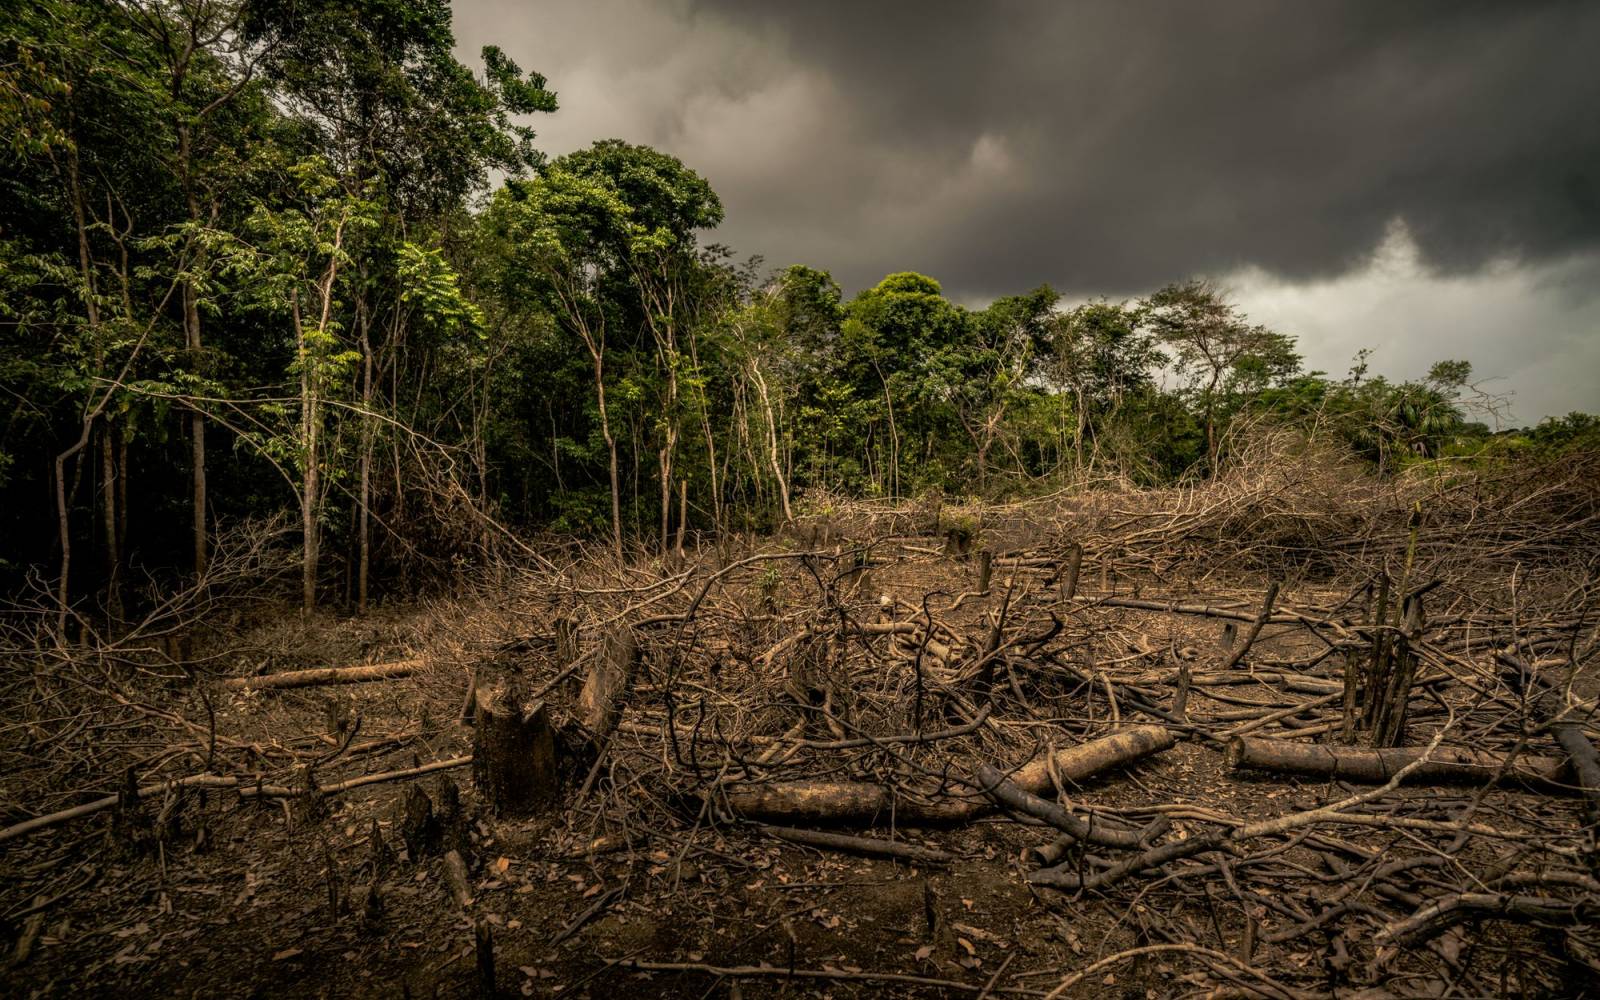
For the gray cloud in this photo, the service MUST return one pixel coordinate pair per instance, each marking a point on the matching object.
(1110, 147)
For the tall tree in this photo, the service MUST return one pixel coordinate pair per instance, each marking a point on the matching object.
(1102, 356)
(404, 122)
(1212, 341)
(667, 204)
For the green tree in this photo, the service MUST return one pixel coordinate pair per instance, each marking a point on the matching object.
(655, 245)
(1102, 357)
(1215, 349)
(890, 334)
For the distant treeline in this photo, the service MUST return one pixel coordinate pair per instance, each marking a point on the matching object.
(252, 269)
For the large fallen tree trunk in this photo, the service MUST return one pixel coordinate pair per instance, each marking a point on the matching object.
(843, 803)
(324, 675)
(1290, 681)
(862, 803)
(1086, 760)
(1378, 766)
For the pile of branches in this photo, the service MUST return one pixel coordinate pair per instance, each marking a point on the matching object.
(863, 676)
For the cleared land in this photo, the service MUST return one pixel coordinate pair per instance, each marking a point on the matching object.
(1298, 732)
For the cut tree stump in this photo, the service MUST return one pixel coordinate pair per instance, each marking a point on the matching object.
(1237, 652)
(1378, 766)
(600, 701)
(514, 753)
(419, 828)
(1069, 578)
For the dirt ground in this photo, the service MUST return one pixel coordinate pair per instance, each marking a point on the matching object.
(244, 895)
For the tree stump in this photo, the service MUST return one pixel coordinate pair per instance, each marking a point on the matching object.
(514, 753)
(419, 828)
(599, 703)
(1069, 576)
(566, 640)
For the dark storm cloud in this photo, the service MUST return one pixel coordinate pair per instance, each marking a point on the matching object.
(1111, 147)
(1146, 140)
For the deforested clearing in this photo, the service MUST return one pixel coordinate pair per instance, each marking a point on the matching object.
(450, 550)
(895, 749)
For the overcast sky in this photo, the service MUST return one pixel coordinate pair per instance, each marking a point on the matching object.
(1420, 178)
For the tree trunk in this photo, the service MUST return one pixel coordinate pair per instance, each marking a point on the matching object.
(611, 448)
(772, 440)
(683, 517)
(308, 477)
(108, 505)
(364, 497)
(122, 489)
(197, 439)
(1378, 766)
(864, 803)
(705, 426)
(92, 311)
(191, 339)
(894, 446)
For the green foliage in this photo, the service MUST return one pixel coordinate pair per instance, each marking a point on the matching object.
(281, 229)
(1574, 431)
(431, 286)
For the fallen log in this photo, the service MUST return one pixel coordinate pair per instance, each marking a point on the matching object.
(1291, 681)
(1442, 765)
(843, 803)
(324, 675)
(455, 875)
(1092, 830)
(1585, 764)
(870, 846)
(1086, 760)
(1046, 855)
(1568, 732)
(814, 803)
(1204, 610)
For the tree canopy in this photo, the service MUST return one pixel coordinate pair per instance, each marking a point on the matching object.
(264, 258)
